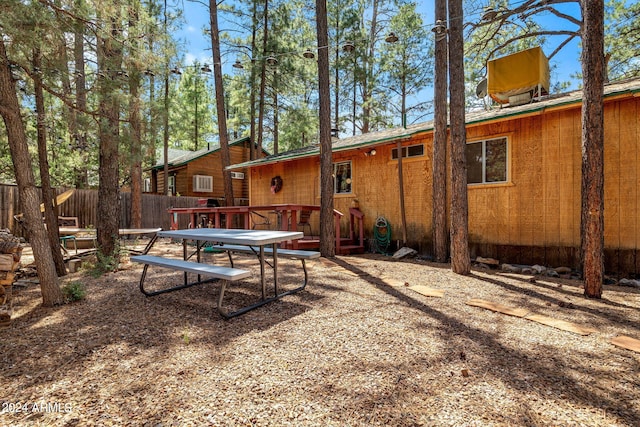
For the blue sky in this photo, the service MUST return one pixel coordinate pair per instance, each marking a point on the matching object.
(197, 44)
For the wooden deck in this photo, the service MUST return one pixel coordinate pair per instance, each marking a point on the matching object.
(287, 214)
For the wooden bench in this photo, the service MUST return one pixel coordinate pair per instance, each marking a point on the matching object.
(215, 272)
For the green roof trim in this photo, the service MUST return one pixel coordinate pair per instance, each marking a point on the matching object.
(182, 157)
(623, 87)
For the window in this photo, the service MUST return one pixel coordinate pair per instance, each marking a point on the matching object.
(172, 184)
(487, 161)
(146, 185)
(342, 174)
(202, 183)
(410, 151)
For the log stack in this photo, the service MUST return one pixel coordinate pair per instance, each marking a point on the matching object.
(10, 253)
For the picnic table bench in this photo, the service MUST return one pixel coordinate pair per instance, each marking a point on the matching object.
(302, 255)
(259, 242)
(224, 274)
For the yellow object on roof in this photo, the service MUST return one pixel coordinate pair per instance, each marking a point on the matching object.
(518, 73)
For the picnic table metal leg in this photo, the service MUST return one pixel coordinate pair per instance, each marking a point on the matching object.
(198, 254)
(174, 288)
(301, 287)
(275, 269)
(262, 278)
(184, 256)
(228, 315)
(149, 245)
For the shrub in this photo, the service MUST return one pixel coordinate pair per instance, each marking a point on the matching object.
(74, 291)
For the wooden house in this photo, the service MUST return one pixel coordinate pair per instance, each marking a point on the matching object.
(199, 173)
(524, 180)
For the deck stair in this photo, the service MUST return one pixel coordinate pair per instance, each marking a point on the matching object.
(351, 244)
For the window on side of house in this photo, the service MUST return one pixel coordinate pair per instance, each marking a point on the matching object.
(342, 174)
(172, 185)
(410, 151)
(487, 161)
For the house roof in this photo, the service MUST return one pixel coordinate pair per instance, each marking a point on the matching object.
(182, 157)
(628, 87)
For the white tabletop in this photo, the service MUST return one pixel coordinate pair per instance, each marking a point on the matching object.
(233, 236)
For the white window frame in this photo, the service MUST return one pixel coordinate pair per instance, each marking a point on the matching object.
(202, 183)
(484, 160)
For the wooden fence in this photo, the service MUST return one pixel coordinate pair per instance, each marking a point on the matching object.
(84, 205)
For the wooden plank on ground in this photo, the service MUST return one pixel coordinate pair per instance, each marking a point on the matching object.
(394, 283)
(626, 343)
(560, 324)
(328, 263)
(427, 291)
(493, 306)
(337, 267)
(526, 314)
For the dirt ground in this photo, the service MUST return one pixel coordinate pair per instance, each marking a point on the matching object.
(358, 347)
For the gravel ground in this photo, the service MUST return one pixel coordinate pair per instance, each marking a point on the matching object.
(358, 347)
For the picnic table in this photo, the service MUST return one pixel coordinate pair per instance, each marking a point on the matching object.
(76, 234)
(261, 243)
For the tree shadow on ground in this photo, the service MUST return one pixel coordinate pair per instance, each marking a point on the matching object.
(552, 377)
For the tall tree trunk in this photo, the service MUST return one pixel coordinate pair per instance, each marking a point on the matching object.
(50, 215)
(109, 62)
(439, 213)
(165, 136)
(460, 261)
(327, 226)
(336, 81)
(150, 125)
(80, 133)
(368, 71)
(253, 152)
(263, 76)
(151, 130)
(220, 107)
(165, 117)
(77, 132)
(28, 193)
(275, 114)
(135, 121)
(592, 214)
(403, 211)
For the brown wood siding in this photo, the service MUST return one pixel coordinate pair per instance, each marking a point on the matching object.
(210, 165)
(540, 203)
(374, 185)
(533, 218)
